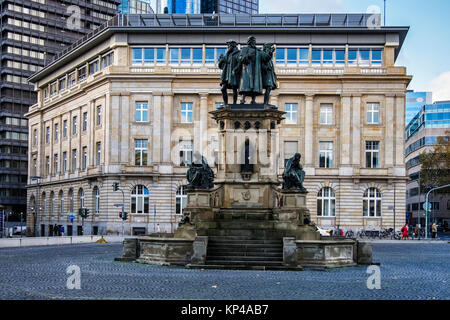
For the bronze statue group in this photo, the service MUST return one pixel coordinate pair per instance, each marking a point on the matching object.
(248, 71)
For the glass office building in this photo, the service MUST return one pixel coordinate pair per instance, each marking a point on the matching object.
(414, 102)
(436, 115)
(205, 6)
(230, 6)
(135, 7)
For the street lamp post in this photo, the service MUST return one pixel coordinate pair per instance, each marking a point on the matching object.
(35, 212)
(426, 204)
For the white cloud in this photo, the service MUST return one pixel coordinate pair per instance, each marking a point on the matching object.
(440, 86)
(301, 6)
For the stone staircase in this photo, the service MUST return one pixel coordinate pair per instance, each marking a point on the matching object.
(244, 239)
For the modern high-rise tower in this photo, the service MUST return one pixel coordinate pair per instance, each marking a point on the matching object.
(205, 6)
(33, 33)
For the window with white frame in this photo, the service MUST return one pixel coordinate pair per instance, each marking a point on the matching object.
(96, 200)
(292, 55)
(185, 153)
(373, 113)
(290, 149)
(291, 113)
(65, 128)
(186, 112)
(212, 55)
(74, 160)
(326, 154)
(181, 200)
(372, 154)
(141, 111)
(148, 55)
(326, 113)
(140, 200)
(140, 152)
(56, 132)
(85, 121)
(186, 55)
(81, 195)
(55, 164)
(326, 202)
(64, 162)
(372, 203)
(84, 166)
(99, 115)
(71, 201)
(99, 153)
(74, 125)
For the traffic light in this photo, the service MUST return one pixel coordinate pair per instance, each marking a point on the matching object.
(115, 186)
(83, 212)
(123, 215)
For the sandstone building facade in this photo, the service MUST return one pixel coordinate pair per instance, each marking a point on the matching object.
(131, 105)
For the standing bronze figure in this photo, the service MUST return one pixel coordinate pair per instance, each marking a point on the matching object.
(269, 76)
(231, 73)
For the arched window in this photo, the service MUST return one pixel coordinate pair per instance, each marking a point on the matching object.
(71, 203)
(140, 200)
(61, 203)
(52, 203)
(372, 203)
(326, 200)
(181, 200)
(81, 195)
(96, 200)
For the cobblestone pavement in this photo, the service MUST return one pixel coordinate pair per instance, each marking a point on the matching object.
(408, 271)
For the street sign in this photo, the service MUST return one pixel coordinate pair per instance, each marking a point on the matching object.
(427, 206)
(72, 218)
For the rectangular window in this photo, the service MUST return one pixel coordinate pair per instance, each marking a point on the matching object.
(185, 153)
(85, 121)
(291, 113)
(74, 125)
(316, 57)
(373, 113)
(35, 137)
(304, 56)
(291, 55)
(47, 165)
(327, 56)
(197, 55)
(99, 153)
(326, 113)
(64, 162)
(136, 55)
(65, 128)
(84, 165)
(55, 164)
(149, 55)
(56, 132)
(140, 152)
(93, 67)
(186, 112)
(372, 151)
(326, 154)
(377, 58)
(281, 55)
(353, 57)
(99, 115)
(290, 149)
(74, 160)
(71, 80)
(47, 135)
(62, 84)
(160, 55)
(340, 56)
(82, 74)
(364, 57)
(209, 55)
(141, 112)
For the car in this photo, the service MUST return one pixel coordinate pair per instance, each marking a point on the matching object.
(19, 229)
(323, 232)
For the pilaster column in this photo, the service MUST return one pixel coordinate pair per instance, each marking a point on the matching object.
(92, 134)
(201, 128)
(389, 132)
(345, 130)
(356, 128)
(167, 128)
(157, 106)
(399, 130)
(309, 127)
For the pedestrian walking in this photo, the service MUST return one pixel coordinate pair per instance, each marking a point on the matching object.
(61, 231)
(405, 232)
(417, 232)
(434, 230)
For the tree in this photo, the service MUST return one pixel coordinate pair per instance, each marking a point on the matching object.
(435, 170)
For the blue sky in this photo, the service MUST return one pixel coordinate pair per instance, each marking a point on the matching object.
(426, 50)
